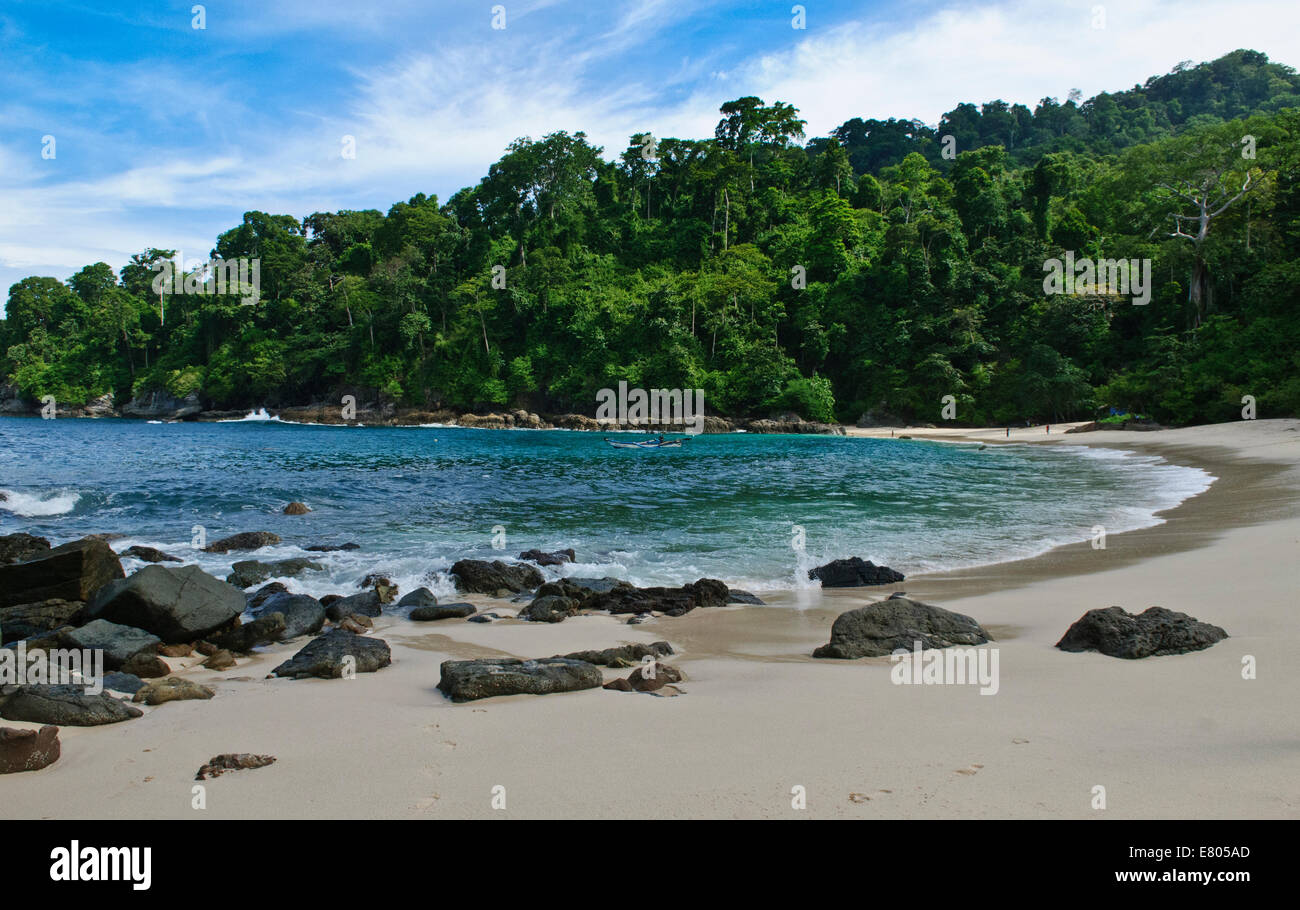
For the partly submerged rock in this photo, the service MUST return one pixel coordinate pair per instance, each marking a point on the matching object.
(246, 540)
(149, 554)
(554, 558)
(480, 576)
(469, 680)
(879, 629)
(21, 547)
(296, 508)
(249, 572)
(1152, 633)
(854, 572)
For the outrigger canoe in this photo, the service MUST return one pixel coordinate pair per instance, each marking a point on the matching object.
(647, 444)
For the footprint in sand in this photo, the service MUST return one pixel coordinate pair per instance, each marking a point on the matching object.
(1019, 742)
(858, 797)
(971, 769)
(427, 802)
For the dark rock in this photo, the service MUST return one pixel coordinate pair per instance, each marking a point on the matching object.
(468, 680)
(177, 605)
(853, 573)
(303, 615)
(1152, 633)
(21, 547)
(249, 572)
(555, 558)
(73, 571)
(65, 706)
(420, 597)
(623, 655)
(650, 678)
(146, 665)
(119, 643)
(878, 629)
(123, 682)
(383, 587)
(265, 629)
(624, 598)
(328, 599)
(26, 620)
(172, 689)
(708, 592)
(442, 611)
(595, 585)
(478, 576)
(296, 508)
(330, 548)
(264, 593)
(149, 554)
(162, 405)
(248, 540)
(366, 603)
(220, 764)
(28, 750)
(639, 618)
(549, 608)
(737, 596)
(484, 617)
(326, 657)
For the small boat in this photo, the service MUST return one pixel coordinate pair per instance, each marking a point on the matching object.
(648, 444)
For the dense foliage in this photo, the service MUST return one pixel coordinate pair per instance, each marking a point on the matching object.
(865, 271)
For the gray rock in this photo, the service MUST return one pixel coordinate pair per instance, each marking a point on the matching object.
(27, 620)
(554, 558)
(265, 629)
(73, 571)
(65, 706)
(326, 657)
(596, 585)
(625, 598)
(478, 576)
(264, 593)
(549, 608)
(149, 554)
(249, 572)
(118, 642)
(162, 405)
(737, 596)
(366, 603)
(248, 540)
(623, 655)
(468, 680)
(878, 629)
(21, 547)
(303, 615)
(123, 682)
(853, 573)
(330, 548)
(177, 605)
(442, 611)
(484, 617)
(1152, 633)
(420, 597)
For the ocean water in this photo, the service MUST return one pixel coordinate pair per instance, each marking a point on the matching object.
(418, 498)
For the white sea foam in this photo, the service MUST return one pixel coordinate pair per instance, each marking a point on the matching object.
(37, 505)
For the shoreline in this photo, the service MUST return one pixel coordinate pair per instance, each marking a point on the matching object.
(1179, 736)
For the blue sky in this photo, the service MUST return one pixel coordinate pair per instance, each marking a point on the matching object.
(165, 134)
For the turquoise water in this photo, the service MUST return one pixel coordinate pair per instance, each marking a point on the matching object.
(417, 499)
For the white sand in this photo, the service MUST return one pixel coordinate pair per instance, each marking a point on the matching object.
(1180, 736)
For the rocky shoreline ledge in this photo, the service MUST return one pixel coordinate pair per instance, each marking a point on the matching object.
(371, 411)
(151, 627)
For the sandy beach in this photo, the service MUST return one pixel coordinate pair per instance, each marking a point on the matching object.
(1180, 737)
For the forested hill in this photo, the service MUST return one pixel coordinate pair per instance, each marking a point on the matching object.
(863, 272)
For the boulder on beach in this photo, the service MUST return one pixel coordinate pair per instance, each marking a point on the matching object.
(480, 576)
(1154, 632)
(177, 605)
(647, 678)
(174, 688)
(249, 572)
(149, 554)
(264, 593)
(708, 592)
(303, 614)
(853, 572)
(335, 654)
(265, 629)
(65, 706)
(434, 612)
(118, 642)
(367, 603)
(21, 547)
(73, 571)
(420, 597)
(146, 665)
(469, 680)
(296, 508)
(626, 598)
(123, 682)
(28, 620)
(550, 608)
(28, 750)
(595, 585)
(879, 629)
(222, 660)
(247, 540)
(737, 596)
(553, 558)
(623, 655)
